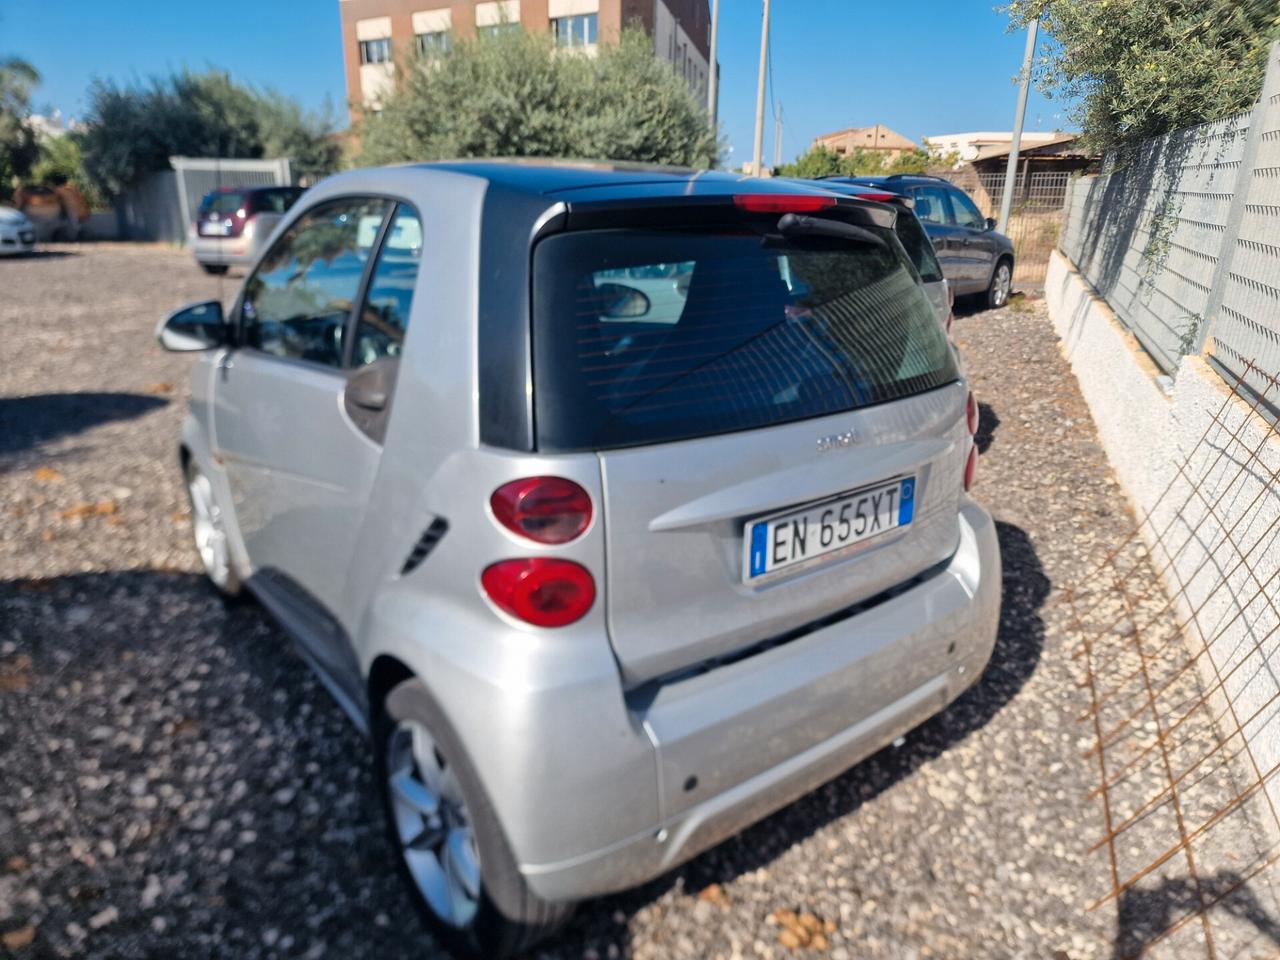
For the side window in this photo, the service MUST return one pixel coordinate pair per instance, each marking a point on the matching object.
(966, 212)
(932, 205)
(298, 301)
(384, 315)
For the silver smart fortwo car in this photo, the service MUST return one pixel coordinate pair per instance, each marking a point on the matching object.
(620, 506)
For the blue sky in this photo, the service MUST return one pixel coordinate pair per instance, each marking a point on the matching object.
(919, 66)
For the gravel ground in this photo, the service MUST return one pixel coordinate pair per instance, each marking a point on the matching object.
(174, 783)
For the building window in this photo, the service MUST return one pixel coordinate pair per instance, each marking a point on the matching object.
(575, 31)
(375, 51)
(433, 44)
(497, 29)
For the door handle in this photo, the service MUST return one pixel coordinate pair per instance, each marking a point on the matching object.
(367, 398)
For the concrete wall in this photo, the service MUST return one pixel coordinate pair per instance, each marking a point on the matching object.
(1201, 466)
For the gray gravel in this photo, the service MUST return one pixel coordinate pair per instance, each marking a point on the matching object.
(174, 782)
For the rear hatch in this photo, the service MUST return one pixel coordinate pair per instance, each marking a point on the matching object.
(222, 214)
(777, 414)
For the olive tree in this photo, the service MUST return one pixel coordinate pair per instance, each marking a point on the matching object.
(1142, 68)
(517, 95)
(134, 130)
(18, 145)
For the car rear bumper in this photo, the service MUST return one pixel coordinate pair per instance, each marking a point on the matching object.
(741, 740)
(217, 251)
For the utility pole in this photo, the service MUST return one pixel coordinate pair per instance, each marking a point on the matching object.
(777, 135)
(756, 153)
(1011, 171)
(713, 88)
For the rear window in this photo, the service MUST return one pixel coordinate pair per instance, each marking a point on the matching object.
(649, 336)
(919, 247)
(221, 203)
(274, 201)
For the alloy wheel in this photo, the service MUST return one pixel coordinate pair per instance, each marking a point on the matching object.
(1000, 285)
(433, 824)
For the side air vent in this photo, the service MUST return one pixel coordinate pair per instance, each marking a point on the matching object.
(426, 543)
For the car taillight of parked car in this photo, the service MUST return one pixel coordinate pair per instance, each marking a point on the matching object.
(542, 591)
(971, 421)
(543, 509)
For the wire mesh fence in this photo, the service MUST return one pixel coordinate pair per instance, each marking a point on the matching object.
(1035, 217)
(1184, 700)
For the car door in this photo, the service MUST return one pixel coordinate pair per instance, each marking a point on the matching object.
(933, 208)
(298, 464)
(977, 245)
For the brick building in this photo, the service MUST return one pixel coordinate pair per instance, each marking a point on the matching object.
(375, 33)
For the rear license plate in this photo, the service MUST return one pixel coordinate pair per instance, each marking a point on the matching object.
(801, 536)
(214, 229)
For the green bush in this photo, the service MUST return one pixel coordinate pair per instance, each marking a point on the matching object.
(18, 147)
(516, 95)
(1143, 68)
(820, 162)
(61, 162)
(134, 130)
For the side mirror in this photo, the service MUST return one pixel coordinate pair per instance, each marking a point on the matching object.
(991, 223)
(199, 326)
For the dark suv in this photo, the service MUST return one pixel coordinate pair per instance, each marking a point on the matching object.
(975, 258)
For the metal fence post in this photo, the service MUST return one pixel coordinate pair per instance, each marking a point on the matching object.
(1244, 179)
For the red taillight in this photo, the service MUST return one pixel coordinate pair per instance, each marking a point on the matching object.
(880, 197)
(971, 467)
(971, 413)
(544, 509)
(540, 590)
(782, 202)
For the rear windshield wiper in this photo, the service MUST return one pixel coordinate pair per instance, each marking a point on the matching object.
(798, 225)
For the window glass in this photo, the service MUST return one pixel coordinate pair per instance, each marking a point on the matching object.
(918, 246)
(966, 212)
(575, 31)
(648, 336)
(497, 29)
(932, 205)
(385, 313)
(298, 301)
(433, 44)
(375, 51)
(221, 202)
(278, 200)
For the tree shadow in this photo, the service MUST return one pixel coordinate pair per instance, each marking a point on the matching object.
(1146, 914)
(26, 422)
(39, 254)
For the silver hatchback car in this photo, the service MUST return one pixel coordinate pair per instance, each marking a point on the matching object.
(619, 506)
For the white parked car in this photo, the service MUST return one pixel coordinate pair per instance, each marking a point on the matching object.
(17, 235)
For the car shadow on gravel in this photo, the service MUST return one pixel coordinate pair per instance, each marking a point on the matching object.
(41, 255)
(26, 422)
(167, 692)
(1019, 643)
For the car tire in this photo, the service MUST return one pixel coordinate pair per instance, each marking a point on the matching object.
(217, 269)
(1001, 284)
(459, 869)
(209, 530)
